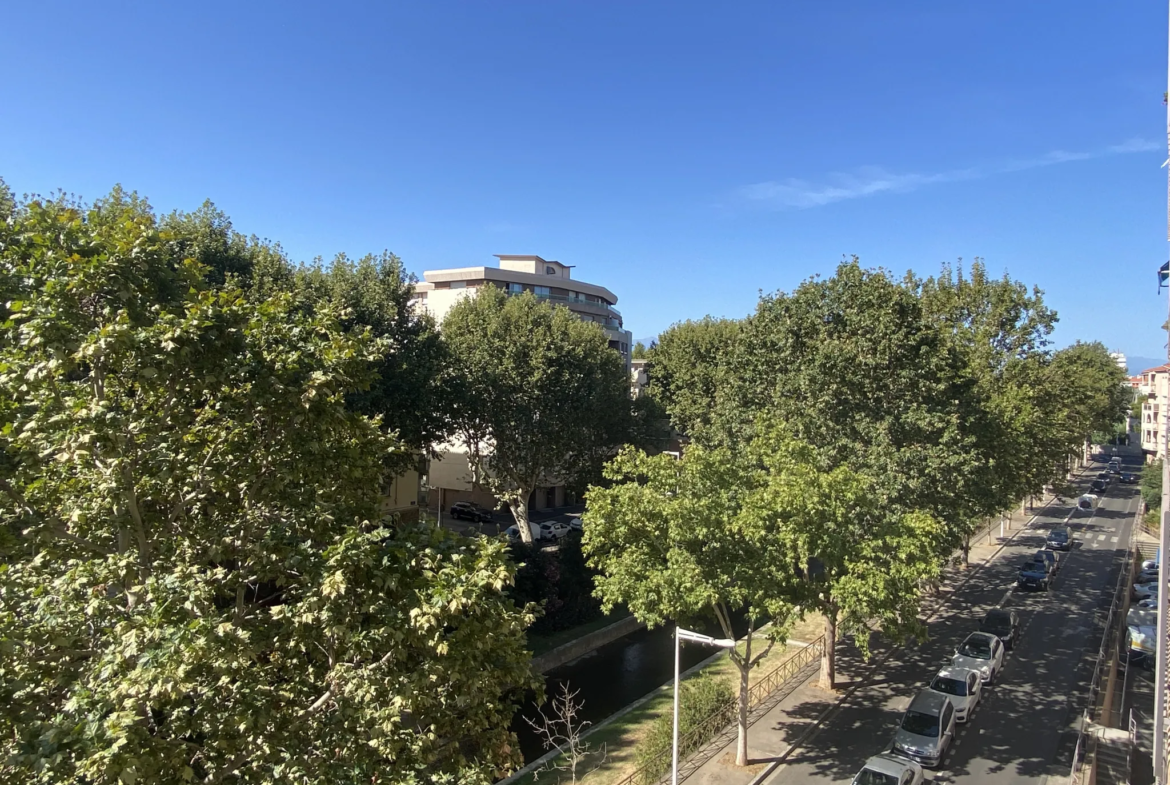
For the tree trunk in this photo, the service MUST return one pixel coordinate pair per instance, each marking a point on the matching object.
(829, 652)
(745, 666)
(966, 549)
(520, 513)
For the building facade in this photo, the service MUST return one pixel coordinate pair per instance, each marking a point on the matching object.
(1155, 392)
(546, 279)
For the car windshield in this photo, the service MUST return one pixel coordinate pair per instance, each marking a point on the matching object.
(1058, 536)
(997, 624)
(978, 648)
(870, 777)
(949, 686)
(920, 724)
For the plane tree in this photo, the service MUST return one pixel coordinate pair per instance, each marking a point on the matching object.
(195, 584)
(543, 398)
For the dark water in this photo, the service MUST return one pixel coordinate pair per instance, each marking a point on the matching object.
(618, 674)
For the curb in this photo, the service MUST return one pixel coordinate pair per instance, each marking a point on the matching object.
(812, 729)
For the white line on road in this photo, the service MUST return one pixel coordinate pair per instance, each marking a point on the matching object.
(1100, 537)
(1113, 540)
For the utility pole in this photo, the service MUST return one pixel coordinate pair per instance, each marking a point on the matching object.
(1163, 530)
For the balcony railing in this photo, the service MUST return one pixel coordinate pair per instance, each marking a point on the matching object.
(566, 300)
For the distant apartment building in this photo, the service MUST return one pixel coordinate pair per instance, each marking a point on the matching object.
(1154, 391)
(546, 279)
(1122, 363)
(448, 476)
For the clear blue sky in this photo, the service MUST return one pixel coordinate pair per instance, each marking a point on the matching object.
(685, 155)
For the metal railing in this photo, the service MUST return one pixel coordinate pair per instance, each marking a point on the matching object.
(726, 716)
(1082, 753)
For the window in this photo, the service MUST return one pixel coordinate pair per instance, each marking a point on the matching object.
(550, 270)
(459, 284)
(515, 288)
(541, 291)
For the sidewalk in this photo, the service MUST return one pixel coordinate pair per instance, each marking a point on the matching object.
(782, 728)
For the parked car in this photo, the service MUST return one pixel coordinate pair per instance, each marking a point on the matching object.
(1033, 575)
(1129, 478)
(575, 524)
(513, 533)
(1059, 539)
(982, 652)
(1150, 564)
(1087, 501)
(470, 512)
(1148, 602)
(963, 686)
(1049, 558)
(927, 729)
(1004, 624)
(1141, 635)
(553, 530)
(1145, 591)
(1098, 486)
(1105, 475)
(1145, 576)
(887, 769)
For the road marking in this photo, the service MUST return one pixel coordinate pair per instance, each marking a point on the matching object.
(1100, 537)
(1113, 540)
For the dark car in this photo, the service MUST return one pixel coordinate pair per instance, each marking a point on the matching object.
(470, 512)
(1003, 624)
(1033, 575)
(1058, 539)
(1129, 478)
(1099, 486)
(1049, 558)
(1106, 476)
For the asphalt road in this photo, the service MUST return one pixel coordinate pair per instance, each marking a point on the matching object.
(1022, 731)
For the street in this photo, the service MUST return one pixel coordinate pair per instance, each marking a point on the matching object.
(1024, 728)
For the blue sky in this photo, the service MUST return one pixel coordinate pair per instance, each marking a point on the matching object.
(685, 155)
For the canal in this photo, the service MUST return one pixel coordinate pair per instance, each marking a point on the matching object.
(618, 674)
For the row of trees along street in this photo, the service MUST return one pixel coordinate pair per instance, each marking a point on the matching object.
(198, 583)
(846, 439)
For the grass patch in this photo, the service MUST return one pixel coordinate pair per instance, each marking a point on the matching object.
(541, 644)
(620, 738)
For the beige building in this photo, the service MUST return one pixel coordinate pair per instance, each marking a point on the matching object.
(449, 477)
(548, 280)
(1155, 391)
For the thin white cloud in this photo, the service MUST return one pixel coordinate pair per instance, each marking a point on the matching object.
(793, 193)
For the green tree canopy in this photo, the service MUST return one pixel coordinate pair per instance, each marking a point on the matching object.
(194, 584)
(688, 374)
(544, 397)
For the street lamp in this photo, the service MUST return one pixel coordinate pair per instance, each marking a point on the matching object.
(681, 635)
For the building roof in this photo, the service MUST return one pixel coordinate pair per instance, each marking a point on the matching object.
(512, 276)
(1156, 369)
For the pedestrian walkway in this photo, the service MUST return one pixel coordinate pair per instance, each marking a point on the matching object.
(781, 729)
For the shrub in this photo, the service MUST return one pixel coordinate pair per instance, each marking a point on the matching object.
(706, 706)
(558, 580)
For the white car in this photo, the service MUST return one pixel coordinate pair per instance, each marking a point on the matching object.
(1145, 591)
(553, 530)
(889, 769)
(980, 652)
(963, 686)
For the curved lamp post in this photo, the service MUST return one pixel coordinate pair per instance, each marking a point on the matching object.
(681, 635)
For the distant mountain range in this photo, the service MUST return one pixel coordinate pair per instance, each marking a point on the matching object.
(647, 341)
(1139, 364)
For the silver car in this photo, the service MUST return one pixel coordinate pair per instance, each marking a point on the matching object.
(927, 729)
(963, 687)
(982, 652)
(887, 769)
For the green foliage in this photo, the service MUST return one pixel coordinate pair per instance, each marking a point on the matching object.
(557, 580)
(706, 706)
(853, 366)
(639, 352)
(545, 398)
(1150, 485)
(688, 373)
(194, 584)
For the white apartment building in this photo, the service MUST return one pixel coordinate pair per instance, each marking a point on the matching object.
(548, 280)
(449, 475)
(1155, 389)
